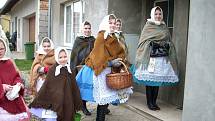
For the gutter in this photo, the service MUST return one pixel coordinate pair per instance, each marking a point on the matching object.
(49, 19)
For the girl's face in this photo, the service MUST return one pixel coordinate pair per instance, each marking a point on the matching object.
(46, 46)
(158, 16)
(62, 57)
(2, 49)
(87, 30)
(118, 26)
(112, 25)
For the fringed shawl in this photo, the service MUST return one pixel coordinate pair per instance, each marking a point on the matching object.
(157, 33)
(104, 50)
(60, 94)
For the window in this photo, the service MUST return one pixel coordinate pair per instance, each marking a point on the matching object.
(168, 11)
(73, 17)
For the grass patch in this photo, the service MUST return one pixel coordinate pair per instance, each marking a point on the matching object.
(23, 65)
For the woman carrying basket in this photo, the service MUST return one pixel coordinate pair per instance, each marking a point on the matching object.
(91, 78)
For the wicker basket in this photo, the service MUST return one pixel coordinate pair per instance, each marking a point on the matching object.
(120, 80)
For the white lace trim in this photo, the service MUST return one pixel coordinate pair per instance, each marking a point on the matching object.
(5, 116)
(163, 72)
(124, 94)
(101, 93)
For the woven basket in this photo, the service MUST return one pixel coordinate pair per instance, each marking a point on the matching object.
(120, 80)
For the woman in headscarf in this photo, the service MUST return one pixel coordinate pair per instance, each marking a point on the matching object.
(41, 64)
(156, 62)
(12, 105)
(59, 97)
(91, 79)
(120, 36)
(81, 49)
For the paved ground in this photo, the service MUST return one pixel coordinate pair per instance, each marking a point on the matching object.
(118, 113)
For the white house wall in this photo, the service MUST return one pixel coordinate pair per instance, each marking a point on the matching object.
(23, 9)
(95, 10)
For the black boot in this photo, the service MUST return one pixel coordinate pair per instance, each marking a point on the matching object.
(100, 116)
(154, 97)
(107, 111)
(149, 98)
(84, 108)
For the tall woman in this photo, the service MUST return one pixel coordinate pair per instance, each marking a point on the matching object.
(12, 105)
(91, 78)
(41, 64)
(81, 49)
(156, 62)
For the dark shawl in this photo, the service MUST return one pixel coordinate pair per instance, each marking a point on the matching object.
(81, 49)
(159, 34)
(60, 94)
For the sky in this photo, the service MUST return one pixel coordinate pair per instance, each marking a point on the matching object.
(2, 2)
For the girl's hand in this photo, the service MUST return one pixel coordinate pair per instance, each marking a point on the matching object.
(7, 87)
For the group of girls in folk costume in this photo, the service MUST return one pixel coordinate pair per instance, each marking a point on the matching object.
(155, 71)
(59, 97)
(91, 78)
(43, 61)
(81, 49)
(12, 105)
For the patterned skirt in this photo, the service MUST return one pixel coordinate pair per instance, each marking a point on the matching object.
(158, 73)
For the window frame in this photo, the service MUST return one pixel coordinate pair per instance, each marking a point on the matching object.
(72, 39)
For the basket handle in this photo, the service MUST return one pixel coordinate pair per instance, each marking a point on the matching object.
(124, 66)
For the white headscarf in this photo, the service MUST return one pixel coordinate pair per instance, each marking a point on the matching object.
(104, 25)
(152, 19)
(82, 29)
(41, 49)
(57, 70)
(7, 54)
(2, 34)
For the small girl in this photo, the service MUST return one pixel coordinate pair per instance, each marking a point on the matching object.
(59, 97)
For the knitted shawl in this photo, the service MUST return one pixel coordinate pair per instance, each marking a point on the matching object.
(60, 94)
(104, 50)
(157, 33)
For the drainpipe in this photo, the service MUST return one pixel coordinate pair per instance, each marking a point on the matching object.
(49, 19)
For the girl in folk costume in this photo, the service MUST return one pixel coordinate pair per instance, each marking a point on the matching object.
(59, 97)
(41, 64)
(12, 105)
(120, 36)
(156, 62)
(81, 49)
(91, 78)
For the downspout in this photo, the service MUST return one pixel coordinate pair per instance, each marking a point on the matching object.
(49, 19)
